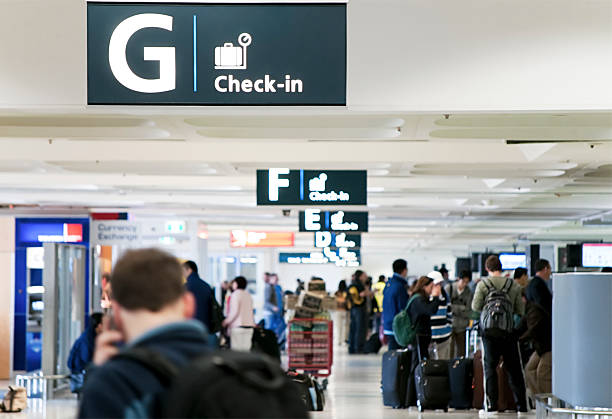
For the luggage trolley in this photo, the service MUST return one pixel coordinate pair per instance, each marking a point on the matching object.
(311, 346)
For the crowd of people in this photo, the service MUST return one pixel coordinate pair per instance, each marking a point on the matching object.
(176, 316)
(443, 310)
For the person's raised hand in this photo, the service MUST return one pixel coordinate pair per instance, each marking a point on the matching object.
(106, 343)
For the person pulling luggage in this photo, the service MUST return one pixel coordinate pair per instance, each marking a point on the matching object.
(497, 299)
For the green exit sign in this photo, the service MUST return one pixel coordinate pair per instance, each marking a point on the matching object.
(175, 227)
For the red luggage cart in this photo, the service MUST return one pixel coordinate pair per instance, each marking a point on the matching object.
(311, 346)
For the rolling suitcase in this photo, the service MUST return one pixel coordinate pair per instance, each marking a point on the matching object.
(395, 374)
(478, 382)
(460, 377)
(372, 345)
(431, 381)
(505, 400)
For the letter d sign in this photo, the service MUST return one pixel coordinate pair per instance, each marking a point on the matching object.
(165, 55)
(323, 239)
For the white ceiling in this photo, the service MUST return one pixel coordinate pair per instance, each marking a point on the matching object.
(434, 181)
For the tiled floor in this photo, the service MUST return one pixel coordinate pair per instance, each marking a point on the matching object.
(353, 392)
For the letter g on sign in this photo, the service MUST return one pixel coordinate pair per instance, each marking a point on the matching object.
(165, 55)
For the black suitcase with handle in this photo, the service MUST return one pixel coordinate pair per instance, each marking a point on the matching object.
(461, 376)
(395, 375)
(432, 384)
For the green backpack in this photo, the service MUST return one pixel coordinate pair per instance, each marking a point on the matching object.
(403, 329)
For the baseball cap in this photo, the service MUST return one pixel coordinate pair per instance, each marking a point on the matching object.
(436, 276)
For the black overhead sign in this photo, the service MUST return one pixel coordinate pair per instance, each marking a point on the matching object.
(337, 240)
(311, 187)
(337, 221)
(216, 54)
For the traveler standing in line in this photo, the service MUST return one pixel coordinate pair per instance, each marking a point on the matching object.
(357, 295)
(537, 291)
(341, 318)
(461, 305)
(280, 326)
(420, 312)
(201, 291)
(536, 328)
(371, 308)
(444, 272)
(441, 322)
(240, 311)
(538, 322)
(506, 344)
(225, 287)
(152, 317)
(395, 299)
(521, 277)
(379, 289)
(270, 303)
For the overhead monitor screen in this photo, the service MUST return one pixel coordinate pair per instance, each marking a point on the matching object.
(512, 261)
(596, 255)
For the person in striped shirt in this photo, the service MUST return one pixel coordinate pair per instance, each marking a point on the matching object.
(441, 322)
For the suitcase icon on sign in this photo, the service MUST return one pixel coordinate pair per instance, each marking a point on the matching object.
(230, 57)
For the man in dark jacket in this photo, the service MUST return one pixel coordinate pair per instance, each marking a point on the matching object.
(144, 316)
(536, 327)
(201, 291)
(395, 298)
(537, 290)
(538, 322)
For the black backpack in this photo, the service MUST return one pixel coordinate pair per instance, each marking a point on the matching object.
(311, 392)
(265, 342)
(216, 315)
(497, 316)
(220, 384)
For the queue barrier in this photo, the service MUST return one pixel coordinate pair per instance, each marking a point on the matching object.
(548, 407)
(38, 385)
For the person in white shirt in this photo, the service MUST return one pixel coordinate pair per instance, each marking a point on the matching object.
(240, 311)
